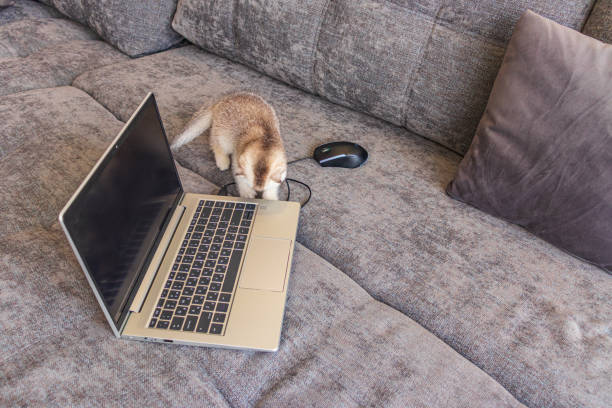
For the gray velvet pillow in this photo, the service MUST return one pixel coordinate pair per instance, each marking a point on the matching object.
(136, 27)
(542, 153)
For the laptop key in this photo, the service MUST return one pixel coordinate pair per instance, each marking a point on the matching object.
(227, 214)
(211, 296)
(209, 306)
(215, 286)
(219, 318)
(218, 239)
(190, 251)
(188, 291)
(222, 307)
(157, 312)
(204, 322)
(200, 290)
(198, 300)
(190, 323)
(191, 282)
(216, 328)
(162, 324)
(195, 309)
(225, 297)
(185, 300)
(217, 277)
(153, 322)
(166, 315)
(180, 311)
(232, 271)
(170, 304)
(174, 294)
(236, 217)
(177, 323)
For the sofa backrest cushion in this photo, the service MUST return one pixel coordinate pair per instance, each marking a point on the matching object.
(425, 65)
(133, 26)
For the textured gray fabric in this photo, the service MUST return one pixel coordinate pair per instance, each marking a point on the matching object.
(55, 65)
(23, 37)
(428, 65)
(130, 25)
(542, 154)
(23, 9)
(533, 317)
(339, 346)
(599, 24)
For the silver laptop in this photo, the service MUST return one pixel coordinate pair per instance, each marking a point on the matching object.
(170, 266)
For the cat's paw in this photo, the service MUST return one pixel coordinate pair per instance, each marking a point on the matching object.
(247, 193)
(271, 194)
(223, 161)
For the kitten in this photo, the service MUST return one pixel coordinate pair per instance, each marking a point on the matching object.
(245, 127)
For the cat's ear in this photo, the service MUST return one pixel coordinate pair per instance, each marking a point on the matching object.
(278, 174)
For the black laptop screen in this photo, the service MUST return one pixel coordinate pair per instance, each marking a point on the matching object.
(116, 219)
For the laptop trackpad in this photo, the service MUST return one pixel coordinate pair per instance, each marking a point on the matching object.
(265, 265)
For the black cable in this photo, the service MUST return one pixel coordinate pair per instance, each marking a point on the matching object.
(297, 160)
(224, 191)
(305, 185)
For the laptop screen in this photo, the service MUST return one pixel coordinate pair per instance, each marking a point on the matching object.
(116, 218)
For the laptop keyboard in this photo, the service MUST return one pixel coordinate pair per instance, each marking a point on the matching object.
(198, 293)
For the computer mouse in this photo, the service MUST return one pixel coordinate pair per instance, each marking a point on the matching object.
(340, 154)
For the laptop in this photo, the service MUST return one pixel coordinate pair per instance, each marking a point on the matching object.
(175, 267)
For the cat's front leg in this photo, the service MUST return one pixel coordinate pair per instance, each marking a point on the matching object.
(271, 193)
(243, 187)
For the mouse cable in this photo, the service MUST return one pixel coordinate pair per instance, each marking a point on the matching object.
(224, 190)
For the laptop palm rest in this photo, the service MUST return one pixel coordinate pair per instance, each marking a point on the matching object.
(265, 266)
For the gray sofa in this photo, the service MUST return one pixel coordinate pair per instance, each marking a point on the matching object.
(399, 297)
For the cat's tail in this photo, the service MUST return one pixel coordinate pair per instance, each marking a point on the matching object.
(196, 126)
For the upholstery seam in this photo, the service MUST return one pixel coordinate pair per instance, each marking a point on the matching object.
(416, 70)
(315, 48)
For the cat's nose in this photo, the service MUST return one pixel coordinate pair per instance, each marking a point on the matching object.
(258, 194)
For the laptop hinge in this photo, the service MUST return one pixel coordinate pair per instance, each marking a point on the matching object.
(157, 259)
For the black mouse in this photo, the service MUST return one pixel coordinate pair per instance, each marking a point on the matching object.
(340, 154)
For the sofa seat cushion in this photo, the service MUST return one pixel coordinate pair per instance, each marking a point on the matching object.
(55, 65)
(599, 24)
(26, 9)
(24, 37)
(535, 318)
(339, 347)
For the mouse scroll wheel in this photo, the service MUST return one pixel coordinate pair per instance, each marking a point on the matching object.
(325, 149)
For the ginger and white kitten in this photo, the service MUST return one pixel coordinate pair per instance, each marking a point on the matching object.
(245, 127)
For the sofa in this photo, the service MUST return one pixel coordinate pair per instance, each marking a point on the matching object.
(399, 296)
